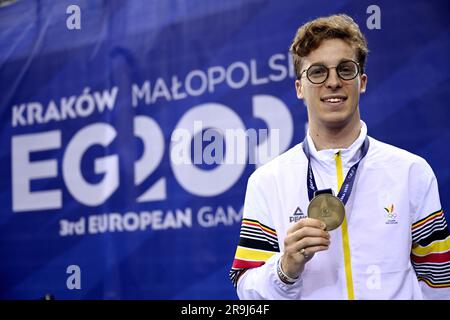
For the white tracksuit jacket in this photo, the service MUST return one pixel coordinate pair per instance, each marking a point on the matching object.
(394, 243)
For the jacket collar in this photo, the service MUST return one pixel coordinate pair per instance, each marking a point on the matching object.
(349, 156)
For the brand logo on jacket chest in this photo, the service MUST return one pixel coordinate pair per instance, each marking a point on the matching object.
(298, 214)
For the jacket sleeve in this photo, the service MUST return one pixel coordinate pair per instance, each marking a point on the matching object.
(254, 270)
(430, 252)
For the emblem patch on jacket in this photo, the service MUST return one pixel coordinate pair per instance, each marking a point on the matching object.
(390, 215)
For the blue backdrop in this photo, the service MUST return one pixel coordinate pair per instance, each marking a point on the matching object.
(94, 201)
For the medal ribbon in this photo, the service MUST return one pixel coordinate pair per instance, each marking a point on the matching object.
(347, 185)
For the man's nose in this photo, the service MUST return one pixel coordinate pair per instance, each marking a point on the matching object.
(333, 81)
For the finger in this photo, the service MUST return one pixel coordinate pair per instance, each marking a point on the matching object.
(307, 222)
(310, 251)
(309, 232)
(293, 248)
(310, 242)
(316, 223)
(305, 232)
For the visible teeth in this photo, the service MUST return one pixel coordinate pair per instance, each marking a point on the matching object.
(333, 99)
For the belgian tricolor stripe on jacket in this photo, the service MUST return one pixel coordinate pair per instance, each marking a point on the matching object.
(430, 254)
(257, 243)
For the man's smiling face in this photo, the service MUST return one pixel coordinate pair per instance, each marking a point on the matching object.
(334, 103)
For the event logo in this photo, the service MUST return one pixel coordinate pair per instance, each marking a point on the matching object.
(239, 142)
(205, 152)
(210, 133)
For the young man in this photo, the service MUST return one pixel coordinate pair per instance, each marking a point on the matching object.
(382, 235)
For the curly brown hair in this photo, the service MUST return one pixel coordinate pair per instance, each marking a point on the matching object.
(340, 26)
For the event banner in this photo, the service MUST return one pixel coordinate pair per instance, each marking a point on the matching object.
(129, 130)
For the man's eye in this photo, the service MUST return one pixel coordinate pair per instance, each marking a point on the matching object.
(347, 69)
(317, 72)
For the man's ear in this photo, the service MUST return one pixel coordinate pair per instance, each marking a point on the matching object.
(363, 83)
(298, 89)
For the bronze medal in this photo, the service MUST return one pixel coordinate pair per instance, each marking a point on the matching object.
(328, 209)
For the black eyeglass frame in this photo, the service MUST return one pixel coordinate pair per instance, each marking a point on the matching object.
(358, 71)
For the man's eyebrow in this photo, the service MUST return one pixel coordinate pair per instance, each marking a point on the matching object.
(345, 59)
(324, 64)
(318, 62)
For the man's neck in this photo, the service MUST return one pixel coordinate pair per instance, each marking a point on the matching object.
(334, 138)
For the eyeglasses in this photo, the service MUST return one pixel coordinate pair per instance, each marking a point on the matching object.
(318, 73)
